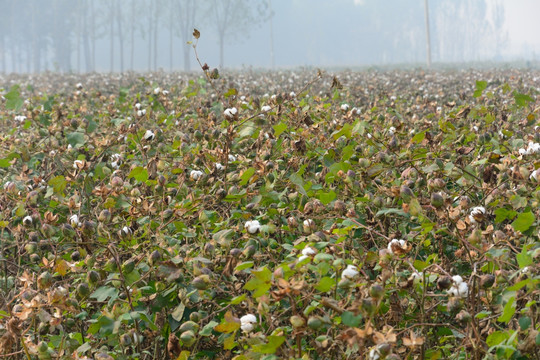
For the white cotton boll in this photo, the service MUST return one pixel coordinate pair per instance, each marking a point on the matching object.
(247, 327)
(27, 220)
(138, 106)
(79, 86)
(373, 353)
(195, 174)
(475, 128)
(165, 92)
(463, 289)
(157, 91)
(52, 153)
(292, 94)
(7, 184)
(308, 224)
(453, 291)
(457, 279)
(77, 164)
(247, 322)
(230, 112)
(369, 136)
(219, 166)
(350, 272)
(534, 175)
(522, 151)
(252, 226)
(266, 108)
(20, 118)
(232, 158)
(344, 107)
(302, 258)
(391, 131)
(308, 251)
(149, 135)
(74, 221)
(126, 231)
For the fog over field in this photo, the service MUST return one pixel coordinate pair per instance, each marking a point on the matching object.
(105, 35)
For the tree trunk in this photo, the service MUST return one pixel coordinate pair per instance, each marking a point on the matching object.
(155, 35)
(3, 53)
(428, 40)
(86, 42)
(171, 40)
(120, 37)
(187, 64)
(221, 39)
(132, 49)
(111, 67)
(93, 17)
(272, 58)
(150, 17)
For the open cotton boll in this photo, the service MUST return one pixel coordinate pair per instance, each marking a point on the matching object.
(74, 221)
(292, 94)
(396, 243)
(219, 166)
(477, 214)
(308, 251)
(457, 279)
(463, 289)
(391, 131)
(195, 174)
(344, 107)
(232, 158)
(149, 135)
(252, 226)
(247, 322)
(534, 175)
(230, 112)
(78, 164)
(27, 220)
(266, 108)
(350, 272)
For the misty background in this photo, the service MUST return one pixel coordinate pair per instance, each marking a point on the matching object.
(149, 35)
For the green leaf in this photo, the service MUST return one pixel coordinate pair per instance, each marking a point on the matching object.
(14, 101)
(260, 282)
(420, 265)
(139, 173)
(496, 338)
(237, 299)
(327, 197)
(523, 221)
(4, 163)
(502, 214)
(508, 311)
(274, 342)
(207, 329)
(480, 87)
(246, 175)
(76, 139)
(325, 284)
(244, 265)
(522, 99)
(104, 292)
(524, 322)
(58, 184)
(349, 319)
(524, 258)
(418, 138)
(144, 317)
(230, 92)
(279, 129)
(229, 324)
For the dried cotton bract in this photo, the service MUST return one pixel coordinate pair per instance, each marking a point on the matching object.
(398, 247)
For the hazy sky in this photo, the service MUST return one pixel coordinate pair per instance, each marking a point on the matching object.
(47, 35)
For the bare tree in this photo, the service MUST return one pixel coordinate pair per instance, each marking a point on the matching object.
(234, 17)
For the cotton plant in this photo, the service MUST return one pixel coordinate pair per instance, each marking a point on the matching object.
(195, 174)
(477, 214)
(459, 287)
(230, 113)
(532, 148)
